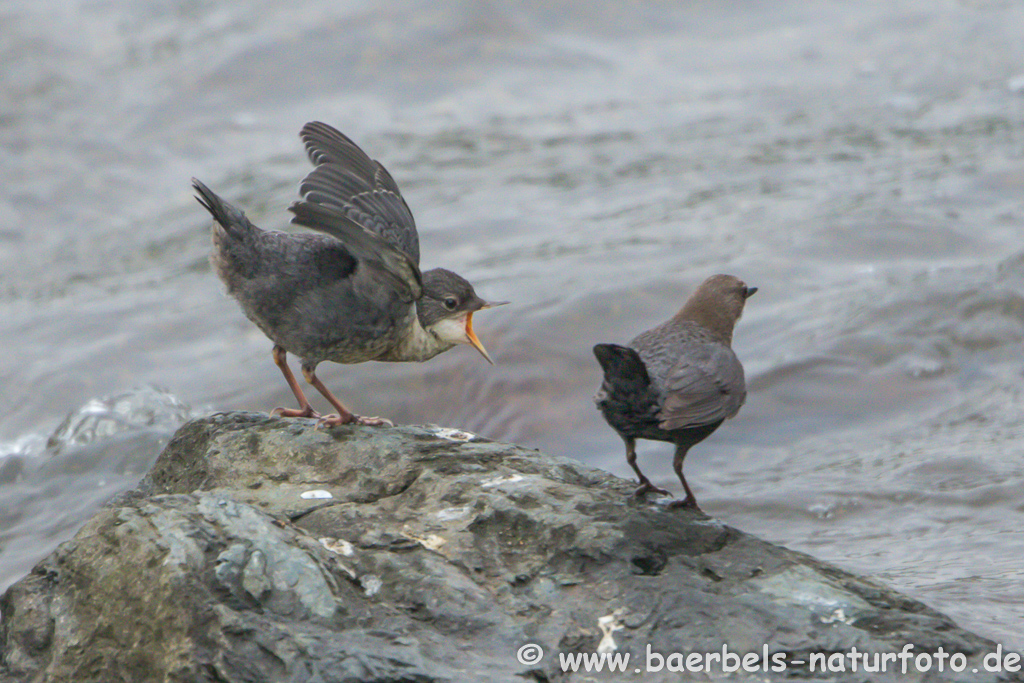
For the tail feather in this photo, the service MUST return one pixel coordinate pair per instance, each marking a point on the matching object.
(227, 216)
(623, 368)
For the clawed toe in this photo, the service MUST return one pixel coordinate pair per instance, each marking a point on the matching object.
(292, 412)
(647, 487)
(687, 503)
(333, 420)
(336, 420)
(374, 421)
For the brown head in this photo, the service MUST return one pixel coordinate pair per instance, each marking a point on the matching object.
(717, 305)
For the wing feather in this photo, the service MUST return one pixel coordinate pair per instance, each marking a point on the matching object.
(704, 387)
(395, 268)
(349, 182)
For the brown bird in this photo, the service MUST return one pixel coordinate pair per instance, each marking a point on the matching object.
(679, 381)
(351, 293)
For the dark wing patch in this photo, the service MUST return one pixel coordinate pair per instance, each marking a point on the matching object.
(395, 269)
(706, 386)
(348, 181)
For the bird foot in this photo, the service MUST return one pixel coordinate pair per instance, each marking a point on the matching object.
(687, 503)
(352, 418)
(647, 487)
(292, 412)
(374, 421)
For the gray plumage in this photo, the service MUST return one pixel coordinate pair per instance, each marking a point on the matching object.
(348, 182)
(351, 293)
(678, 381)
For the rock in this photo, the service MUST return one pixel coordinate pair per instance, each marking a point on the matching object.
(262, 549)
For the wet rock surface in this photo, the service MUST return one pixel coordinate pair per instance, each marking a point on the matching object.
(263, 549)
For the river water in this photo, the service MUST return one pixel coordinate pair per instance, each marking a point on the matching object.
(862, 163)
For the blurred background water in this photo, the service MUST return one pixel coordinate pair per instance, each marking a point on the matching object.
(860, 162)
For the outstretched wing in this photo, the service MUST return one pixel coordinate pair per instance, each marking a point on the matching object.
(706, 386)
(394, 269)
(347, 181)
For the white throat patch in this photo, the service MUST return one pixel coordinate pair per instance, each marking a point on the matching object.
(451, 330)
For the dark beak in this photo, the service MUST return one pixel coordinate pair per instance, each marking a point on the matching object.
(750, 292)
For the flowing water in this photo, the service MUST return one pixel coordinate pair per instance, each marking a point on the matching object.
(862, 163)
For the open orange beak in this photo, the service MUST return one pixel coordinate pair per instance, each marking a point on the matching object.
(473, 339)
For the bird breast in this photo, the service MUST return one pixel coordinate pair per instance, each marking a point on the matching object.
(416, 344)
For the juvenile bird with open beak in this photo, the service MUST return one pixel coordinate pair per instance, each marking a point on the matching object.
(353, 291)
(679, 381)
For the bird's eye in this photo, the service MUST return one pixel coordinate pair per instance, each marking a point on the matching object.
(450, 303)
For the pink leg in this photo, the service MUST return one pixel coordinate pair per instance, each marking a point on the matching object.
(344, 416)
(305, 410)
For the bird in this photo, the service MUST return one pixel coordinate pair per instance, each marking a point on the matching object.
(678, 381)
(350, 292)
